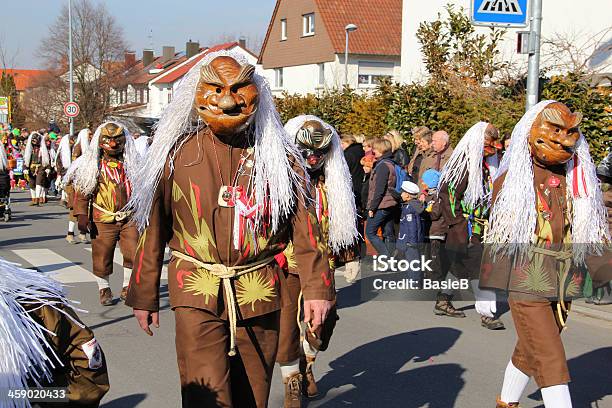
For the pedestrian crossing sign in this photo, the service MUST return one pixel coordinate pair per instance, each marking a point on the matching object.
(508, 13)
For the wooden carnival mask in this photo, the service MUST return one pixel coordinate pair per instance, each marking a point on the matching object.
(112, 140)
(553, 136)
(491, 141)
(226, 96)
(314, 142)
(36, 139)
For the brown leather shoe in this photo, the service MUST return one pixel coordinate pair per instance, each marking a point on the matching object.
(293, 391)
(70, 239)
(491, 323)
(309, 384)
(501, 404)
(123, 294)
(106, 297)
(34, 202)
(444, 306)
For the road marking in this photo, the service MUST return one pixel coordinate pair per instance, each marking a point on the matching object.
(118, 259)
(56, 266)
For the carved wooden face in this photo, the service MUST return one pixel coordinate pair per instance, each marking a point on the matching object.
(554, 134)
(226, 96)
(491, 141)
(36, 139)
(314, 142)
(112, 140)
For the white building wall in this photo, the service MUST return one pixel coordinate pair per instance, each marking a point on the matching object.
(564, 17)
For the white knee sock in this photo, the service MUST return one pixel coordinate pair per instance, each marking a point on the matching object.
(33, 193)
(71, 226)
(64, 197)
(289, 369)
(557, 396)
(515, 382)
(39, 190)
(308, 350)
(102, 283)
(127, 274)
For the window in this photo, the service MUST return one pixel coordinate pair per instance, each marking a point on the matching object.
(321, 74)
(372, 73)
(141, 95)
(147, 95)
(278, 77)
(308, 24)
(283, 29)
(169, 95)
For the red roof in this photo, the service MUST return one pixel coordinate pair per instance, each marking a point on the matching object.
(24, 78)
(379, 25)
(183, 69)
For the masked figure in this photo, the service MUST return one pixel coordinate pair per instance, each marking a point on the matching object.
(37, 161)
(320, 147)
(465, 200)
(103, 180)
(225, 188)
(548, 228)
(45, 342)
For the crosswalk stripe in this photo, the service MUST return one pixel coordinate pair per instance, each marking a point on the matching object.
(118, 259)
(58, 267)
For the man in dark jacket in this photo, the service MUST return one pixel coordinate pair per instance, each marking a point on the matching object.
(353, 152)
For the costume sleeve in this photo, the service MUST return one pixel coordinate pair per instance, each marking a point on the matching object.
(450, 201)
(143, 291)
(81, 204)
(380, 180)
(311, 255)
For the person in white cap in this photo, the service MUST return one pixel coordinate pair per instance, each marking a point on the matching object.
(411, 228)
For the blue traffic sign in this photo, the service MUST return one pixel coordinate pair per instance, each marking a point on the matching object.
(500, 12)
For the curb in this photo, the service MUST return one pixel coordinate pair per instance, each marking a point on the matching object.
(594, 313)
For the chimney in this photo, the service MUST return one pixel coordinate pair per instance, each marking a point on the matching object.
(147, 57)
(192, 48)
(167, 53)
(242, 42)
(129, 59)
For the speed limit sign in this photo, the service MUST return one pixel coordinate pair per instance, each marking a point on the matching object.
(71, 109)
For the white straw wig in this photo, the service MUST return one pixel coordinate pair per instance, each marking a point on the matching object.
(25, 353)
(83, 140)
(275, 179)
(3, 158)
(466, 161)
(43, 152)
(513, 218)
(341, 201)
(64, 152)
(84, 171)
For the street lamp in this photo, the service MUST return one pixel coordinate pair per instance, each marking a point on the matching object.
(348, 29)
(71, 79)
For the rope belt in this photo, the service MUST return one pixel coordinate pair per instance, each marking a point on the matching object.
(565, 260)
(226, 273)
(118, 215)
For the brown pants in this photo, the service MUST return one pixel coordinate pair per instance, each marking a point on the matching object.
(539, 352)
(289, 336)
(209, 377)
(103, 243)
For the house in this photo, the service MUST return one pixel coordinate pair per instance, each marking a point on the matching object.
(150, 83)
(24, 78)
(586, 27)
(304, 48)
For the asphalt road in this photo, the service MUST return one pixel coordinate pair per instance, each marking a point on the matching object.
(383, 353)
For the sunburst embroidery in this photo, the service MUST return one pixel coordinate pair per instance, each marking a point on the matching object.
(253, 287)
(203, 283)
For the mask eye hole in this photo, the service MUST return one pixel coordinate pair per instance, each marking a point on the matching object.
(218, 90)
(557, 130)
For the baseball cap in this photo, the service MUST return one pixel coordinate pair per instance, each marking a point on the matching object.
(410, 188)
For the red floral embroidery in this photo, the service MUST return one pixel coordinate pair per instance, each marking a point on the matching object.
(179, 277)
(189, 249)
(196, 192)
(326, 280)
(313, 241)
(140, 258)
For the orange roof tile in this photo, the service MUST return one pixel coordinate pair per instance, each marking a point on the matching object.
(24, 78)
(379, 25)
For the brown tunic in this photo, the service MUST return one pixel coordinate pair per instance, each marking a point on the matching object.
(187, 216)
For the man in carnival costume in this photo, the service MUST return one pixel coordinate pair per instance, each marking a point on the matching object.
(43, 343)
(70, 148)
(465, 193)
(547, 228)
(103, 178)
(37, 161)
(320, 147)
(226, 194)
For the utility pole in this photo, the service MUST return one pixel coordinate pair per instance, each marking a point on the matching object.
(70, 61)
(533, 73)
(347, 29)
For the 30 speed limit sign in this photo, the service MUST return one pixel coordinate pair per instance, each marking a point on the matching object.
(71, 109)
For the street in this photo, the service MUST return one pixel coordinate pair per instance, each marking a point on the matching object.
(383, 353)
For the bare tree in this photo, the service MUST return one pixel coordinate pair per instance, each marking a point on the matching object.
(97, 47)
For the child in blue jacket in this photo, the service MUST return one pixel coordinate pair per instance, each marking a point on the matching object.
(411, 234)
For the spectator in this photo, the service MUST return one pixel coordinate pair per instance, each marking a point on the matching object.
(441, 152)
(353, 153)
(410, 235)
(399, 148)
(422, 142)
(381, 204)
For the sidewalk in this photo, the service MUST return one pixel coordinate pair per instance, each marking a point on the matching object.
(603, 312)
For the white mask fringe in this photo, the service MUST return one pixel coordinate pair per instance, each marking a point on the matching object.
(3, 158)
(342, 232)
(513, 218)
(274, 176)
(64, 152)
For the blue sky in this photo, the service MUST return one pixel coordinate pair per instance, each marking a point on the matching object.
(23, 23)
